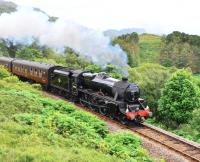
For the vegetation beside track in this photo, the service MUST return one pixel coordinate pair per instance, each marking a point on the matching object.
(37, 128)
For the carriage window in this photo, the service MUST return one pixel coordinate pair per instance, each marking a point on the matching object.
(31, 71)
(36, 73)
(40, 73)
(44, 73)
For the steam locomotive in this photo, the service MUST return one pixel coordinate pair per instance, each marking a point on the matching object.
(114, 98)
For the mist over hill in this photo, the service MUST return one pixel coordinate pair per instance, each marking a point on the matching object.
(112, 33)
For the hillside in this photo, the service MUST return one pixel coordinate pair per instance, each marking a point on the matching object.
(142, 48)
(35, 128)
(150, 46)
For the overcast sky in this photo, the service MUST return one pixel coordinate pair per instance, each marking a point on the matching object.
(155, 16)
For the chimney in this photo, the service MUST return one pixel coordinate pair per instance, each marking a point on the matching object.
(124, 79)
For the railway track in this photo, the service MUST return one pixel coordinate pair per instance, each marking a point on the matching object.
(188, 149)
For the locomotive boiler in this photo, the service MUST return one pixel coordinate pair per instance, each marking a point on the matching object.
(115, 98)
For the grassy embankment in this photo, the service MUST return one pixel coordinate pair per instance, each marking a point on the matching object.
(37, 128)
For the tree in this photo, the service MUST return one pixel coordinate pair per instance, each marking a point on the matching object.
(10, 47)
(181, 50)
(28, 53)
(3, 49)
(178, 99)
(129, 43)
(74, 60)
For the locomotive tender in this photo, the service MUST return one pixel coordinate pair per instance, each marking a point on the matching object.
(98, 91)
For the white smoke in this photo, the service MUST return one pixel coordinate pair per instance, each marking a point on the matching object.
(27, 23)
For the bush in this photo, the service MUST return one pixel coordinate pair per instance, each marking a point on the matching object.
(11, 79)
(98, 125)
(3, 72)
(178, 99)
(195, 122)
(125, 145)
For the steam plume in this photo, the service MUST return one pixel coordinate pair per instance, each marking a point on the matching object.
(28, 23)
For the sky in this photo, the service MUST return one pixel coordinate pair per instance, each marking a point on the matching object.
(155, 16)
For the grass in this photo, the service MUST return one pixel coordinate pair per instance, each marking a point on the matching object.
(36, 128)
(149, 46)
(147, 50)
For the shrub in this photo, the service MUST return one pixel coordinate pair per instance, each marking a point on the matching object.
(4, 72)
(125, 145)
(179, 98)
(195, 122)
(98, 125)
(11, 79)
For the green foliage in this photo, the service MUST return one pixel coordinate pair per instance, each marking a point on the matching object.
(179, 37)
(74, 60)
(181, 50)
(122, 142)
(3, 49)
(187, 131)
(113, 71)
(3, 72)
(144, 48)
(150, 78)
(11, 79)
(179, 98)
(124, 145)
(28, 53)
(36, 128)
(8, 47)
(149, 48)
(195, 122)
(130, 38)
(93, 68)
(24, 143)
(197, 80)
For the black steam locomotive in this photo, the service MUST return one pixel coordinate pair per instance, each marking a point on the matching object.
(98, 91)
